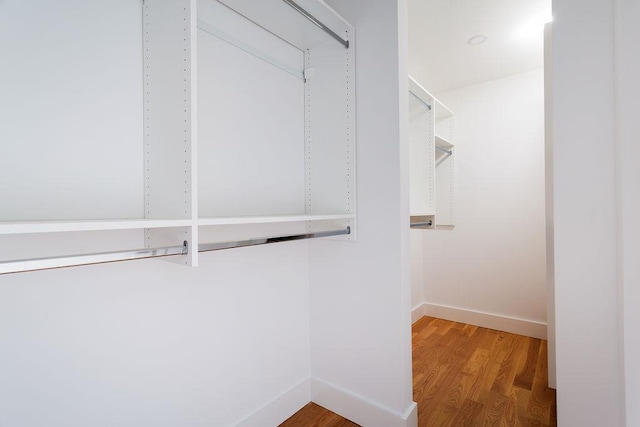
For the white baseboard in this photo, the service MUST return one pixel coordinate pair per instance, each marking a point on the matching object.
(417, 312)
(514, 325)
(359, 409)
(281, 408)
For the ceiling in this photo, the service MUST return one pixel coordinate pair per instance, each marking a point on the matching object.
(441, 58)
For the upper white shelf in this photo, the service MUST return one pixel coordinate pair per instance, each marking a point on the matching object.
(443, 142)
(268, 219)
(418, 91)
(32, 227)
(442, 111)
(27, 227)
(288, 22)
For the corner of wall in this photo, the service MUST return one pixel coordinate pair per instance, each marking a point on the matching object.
(512, 325)
(417, 312)
(359, 409)
(281, 408)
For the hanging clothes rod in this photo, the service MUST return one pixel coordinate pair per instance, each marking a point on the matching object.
(448, 153)
(422, 101)
(34, 264)
(421, 224)
(206, 247)
(317, 22)
(444, 150)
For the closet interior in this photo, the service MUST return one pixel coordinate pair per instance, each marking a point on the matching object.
(432, 160)
(168, 127)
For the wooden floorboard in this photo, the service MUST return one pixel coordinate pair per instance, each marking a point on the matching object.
(464, 375)
(313, 415)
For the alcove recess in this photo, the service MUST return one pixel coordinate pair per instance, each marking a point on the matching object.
(432, 160)
(136, 125)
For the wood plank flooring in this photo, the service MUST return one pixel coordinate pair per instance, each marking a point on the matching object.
(313, 415)
(465, 375)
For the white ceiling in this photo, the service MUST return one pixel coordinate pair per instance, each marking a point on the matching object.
(440, 57)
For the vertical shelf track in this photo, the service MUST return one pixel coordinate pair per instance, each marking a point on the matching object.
(168, 120)
(349, 131)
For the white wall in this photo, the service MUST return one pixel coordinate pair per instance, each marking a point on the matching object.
(360, 292)
(252, 334)
(490, 269)
(549, 214)
(129, 344)
(417, 273)
(587, 180)
(154, 343)
(598, 264)
(628, 158)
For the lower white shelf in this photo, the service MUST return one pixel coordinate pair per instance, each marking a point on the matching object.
(74, 260)
(33, 264)
(40, 245)
(31, 227)
(270, 219)
(443, 142)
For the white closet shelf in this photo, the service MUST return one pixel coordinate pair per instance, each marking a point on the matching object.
(442, 112)
(32, 227)
(302, 23)
(192, 67)
(267, 219)
(421, 216)
(443, 142)
(431, 142)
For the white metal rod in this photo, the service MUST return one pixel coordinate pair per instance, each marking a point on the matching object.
(206, 247)
(85, 259)
(34, 264)
(448, 153)
(444, 150)
(317, 22)
(421, 224)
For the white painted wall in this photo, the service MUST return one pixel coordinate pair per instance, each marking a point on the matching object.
(360, 292)
(490, 269)
(417, 273)
(129, 344)
(154, 343)
(588, 186)
(628, 158)
(549, 215)
(242, 339)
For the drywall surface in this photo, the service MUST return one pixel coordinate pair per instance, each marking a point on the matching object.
(360, 291)
(493, 261)
(586, 216)
(628, 164)
(417, 269)
(140, 343)
(150, 342)
(549, 220)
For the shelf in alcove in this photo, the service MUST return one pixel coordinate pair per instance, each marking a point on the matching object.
(442, 112)
(443, 142)
(267, 219)
(32, 227)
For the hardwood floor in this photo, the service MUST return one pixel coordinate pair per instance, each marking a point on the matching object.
(313, 415)
(465, 375)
